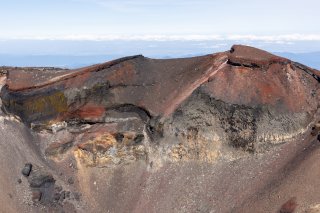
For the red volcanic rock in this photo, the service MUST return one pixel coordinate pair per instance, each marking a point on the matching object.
(245, 75)
(289, 206)
(228, 132)
(255, 77)
(90, 112)
(251, 57)
(136, 80)
(246, 89)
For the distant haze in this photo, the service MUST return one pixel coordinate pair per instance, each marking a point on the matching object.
(78, 53)
(73, 33)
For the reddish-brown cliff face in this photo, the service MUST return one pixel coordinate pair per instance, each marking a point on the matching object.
(255, 77)
(244, 75)
(251, 95)
(220, 132)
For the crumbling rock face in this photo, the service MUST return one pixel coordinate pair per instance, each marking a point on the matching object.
(244, 98)
(137, 121)
(240, 126)
(3, 72)
(109, 149)
(135, 81)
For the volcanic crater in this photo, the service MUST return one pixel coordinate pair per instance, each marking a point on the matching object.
(236, 131)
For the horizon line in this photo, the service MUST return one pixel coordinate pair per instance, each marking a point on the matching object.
(157, 37)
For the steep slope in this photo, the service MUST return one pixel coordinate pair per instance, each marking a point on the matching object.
(202, 134)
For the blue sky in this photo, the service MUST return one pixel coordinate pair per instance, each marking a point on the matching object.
(167, 19)
(56, 32)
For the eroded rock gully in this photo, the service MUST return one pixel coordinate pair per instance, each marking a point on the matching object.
(145, 135)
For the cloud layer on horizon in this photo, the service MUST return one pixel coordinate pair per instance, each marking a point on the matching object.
(235, 37)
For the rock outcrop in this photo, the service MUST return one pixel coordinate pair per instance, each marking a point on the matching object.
(246, 97)
(158, 116)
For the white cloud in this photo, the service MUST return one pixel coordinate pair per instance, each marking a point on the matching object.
(268, 39)
(288, 37)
